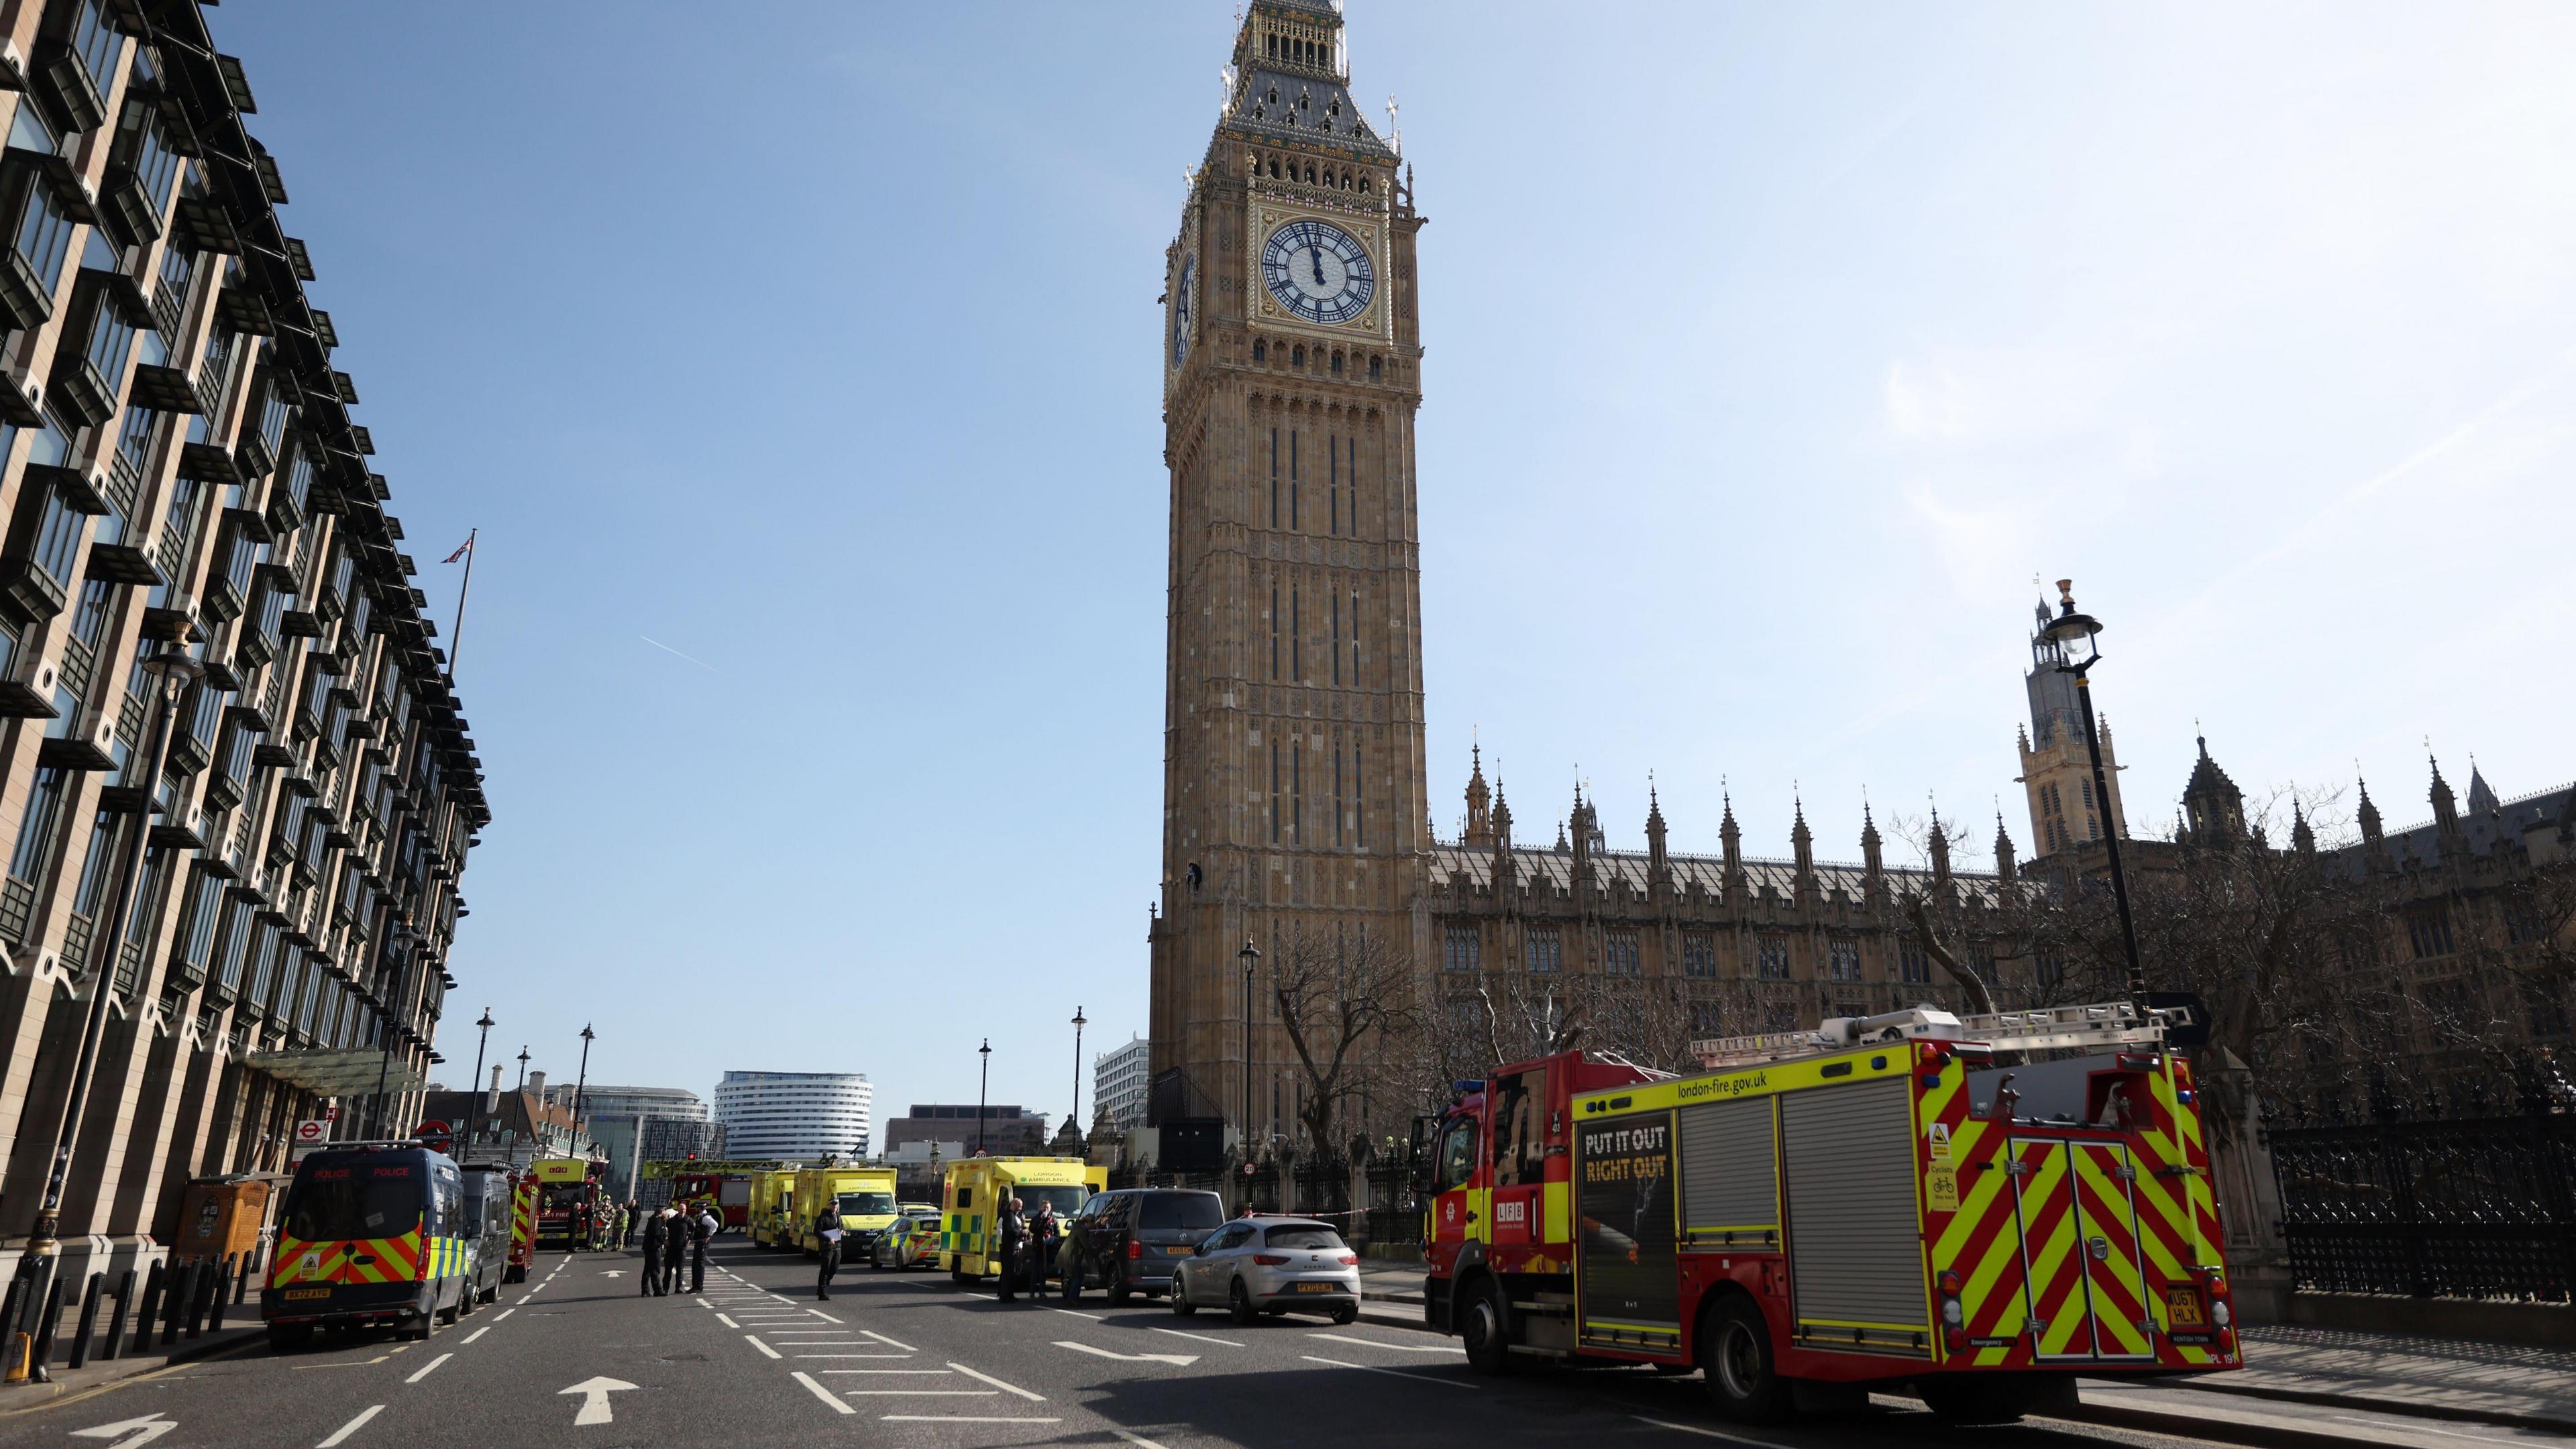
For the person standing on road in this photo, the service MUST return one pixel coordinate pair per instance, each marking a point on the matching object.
(675, 1247)
(827, 1227)
(657, 1233)
(702, 1231)
(1012, 1233)
(1044, 1233)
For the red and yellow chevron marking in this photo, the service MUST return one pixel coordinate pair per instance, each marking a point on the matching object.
(523, 1221)
(388, 1260)
(2053, 1250)
(2116, 1280)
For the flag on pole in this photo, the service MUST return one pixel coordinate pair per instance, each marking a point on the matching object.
(462, 550)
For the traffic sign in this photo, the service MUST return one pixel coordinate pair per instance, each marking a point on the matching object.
(311, 1131)
(433, 1134)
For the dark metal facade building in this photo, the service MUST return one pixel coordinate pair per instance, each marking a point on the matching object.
(178, 458)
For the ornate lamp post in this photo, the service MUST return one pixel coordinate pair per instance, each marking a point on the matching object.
(172, 669)
(581, 1080)
(982, 1082)
(1078, 1025)
(1250, 956)
(475, 1113)
(2068, 630)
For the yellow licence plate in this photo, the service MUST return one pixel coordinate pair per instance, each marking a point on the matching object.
(2183, 1306)
(1178, 1252)
(1317, 1287)
(308, 1292)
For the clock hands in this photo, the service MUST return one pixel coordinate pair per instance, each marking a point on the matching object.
(1315, 260)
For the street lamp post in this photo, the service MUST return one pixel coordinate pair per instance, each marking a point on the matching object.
(581, 1080)
(1250, 956)
(983, 1082)
(401, 945)
(523, 1070)
(171, 667)
(2066, 631)
(1078, 1025)
(474, 1113)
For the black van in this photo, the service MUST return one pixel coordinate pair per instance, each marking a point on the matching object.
(372, 1234)
(487, 1203)
(1127, 1241)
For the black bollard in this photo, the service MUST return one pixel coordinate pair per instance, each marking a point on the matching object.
(200, 1288)
(88, 1319)
(44, 1351)
(116, 1325)
(241, 1281)
(174, 1308)
(223, 1295)
(156, 1286)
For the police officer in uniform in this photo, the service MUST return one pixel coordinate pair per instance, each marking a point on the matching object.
(827, 1227)
(1012, 1235)
(657, 1235)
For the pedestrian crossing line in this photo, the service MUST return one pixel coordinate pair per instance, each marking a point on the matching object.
(888, 1342)
(764, 1348)
(341, 1435)
(429, 1368)
(820, 1392)
(727, 1322)
(819, 1313)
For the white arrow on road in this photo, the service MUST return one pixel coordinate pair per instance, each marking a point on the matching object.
(594, 1403)
(612, 1273)
(1176, 1360)
(143, 1430)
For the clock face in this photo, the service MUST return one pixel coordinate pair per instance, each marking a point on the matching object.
(1318, 271)
(1185, 301)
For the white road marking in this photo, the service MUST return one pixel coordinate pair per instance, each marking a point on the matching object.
(727, 1322)
(1176, 1360)
(341, 1435)
(921, 1393)
(1706, 1433)
(1069, 1313)
(997, 1383)
(956, 1419)
(594, 1399)
(819, 1313)
(1139, 1440)
(504, 1313)
(764, 1348)
(607, 1273)
(1201, 1337)
(1407, 1347)
(1392, 1373)
(429, 1368)
(935, 1373)
(130, 1433)
(478, 1333)
(888, 1342)
(854, 1355)
(826, 1395)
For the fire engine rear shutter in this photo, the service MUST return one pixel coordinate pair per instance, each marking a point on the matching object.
(1730, 1172)
(1855, 1251)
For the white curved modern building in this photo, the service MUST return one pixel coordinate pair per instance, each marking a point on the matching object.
(796, 1115)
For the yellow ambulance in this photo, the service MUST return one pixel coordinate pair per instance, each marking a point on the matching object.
(865, 1196)
(978, 1185)
(773, 1192)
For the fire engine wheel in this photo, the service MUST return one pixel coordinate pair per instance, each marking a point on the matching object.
(1485, 1323)
(1735, 1349)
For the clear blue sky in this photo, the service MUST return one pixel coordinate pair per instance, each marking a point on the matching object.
(798, 364)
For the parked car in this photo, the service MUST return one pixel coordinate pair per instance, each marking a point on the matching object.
(1270, 1266)
(487, 1252)
(912, 1241)
(1128, 1241)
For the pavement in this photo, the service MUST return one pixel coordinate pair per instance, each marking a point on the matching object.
(911, 1359)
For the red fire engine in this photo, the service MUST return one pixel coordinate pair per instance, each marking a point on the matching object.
(1877, 1204)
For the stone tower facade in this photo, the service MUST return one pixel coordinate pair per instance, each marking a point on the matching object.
(1294, 794)
(2056, 771)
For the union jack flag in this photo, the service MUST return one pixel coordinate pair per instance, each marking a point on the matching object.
(462, 550)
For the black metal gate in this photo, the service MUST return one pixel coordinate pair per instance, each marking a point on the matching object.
(1394, 1212)
(2476, 1207)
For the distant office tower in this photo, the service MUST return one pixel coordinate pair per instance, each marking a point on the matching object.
(794, 1114)
(1008, 1129)
(1118, 1081)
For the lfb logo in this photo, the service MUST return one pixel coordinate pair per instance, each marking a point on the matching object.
(1449, 1212)
(1511, 1212)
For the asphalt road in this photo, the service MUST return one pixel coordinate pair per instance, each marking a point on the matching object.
(911, 1360)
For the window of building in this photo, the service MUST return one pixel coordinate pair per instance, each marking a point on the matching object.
(1842, 957)
(1359, 805)
(1374, 363)
(1461, 948)
(1260, 350)
(1771, 956)
(2545, 1002)
(1912, 966)
(2085, 788)
(1544, 951)
(1699, 955)
(2428, 928)
(1779, 1016)
(1707, 1019)
(1619, 954)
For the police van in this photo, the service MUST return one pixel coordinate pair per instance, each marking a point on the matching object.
(372, 1235)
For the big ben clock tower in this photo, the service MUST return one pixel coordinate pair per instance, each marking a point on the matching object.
(1294, 800)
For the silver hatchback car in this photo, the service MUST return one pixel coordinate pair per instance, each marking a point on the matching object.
(1254, 1266)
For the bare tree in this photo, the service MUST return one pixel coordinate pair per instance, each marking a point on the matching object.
(1342, 999)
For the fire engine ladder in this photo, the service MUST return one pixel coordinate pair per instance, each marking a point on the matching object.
(2049, 1028)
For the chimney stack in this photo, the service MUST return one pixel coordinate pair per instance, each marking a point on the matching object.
(537, 1085)
(492, 1100)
